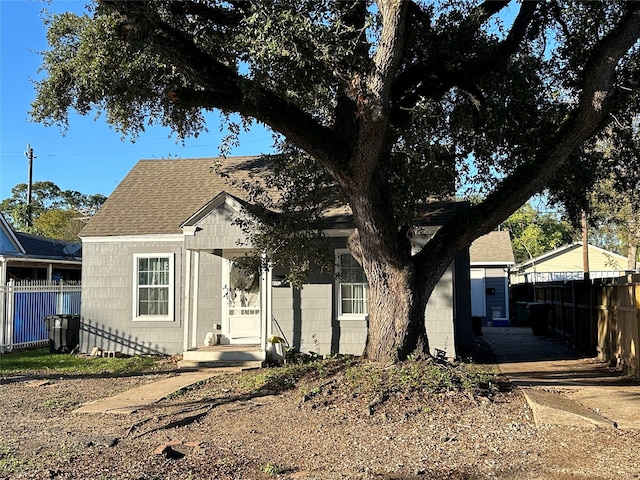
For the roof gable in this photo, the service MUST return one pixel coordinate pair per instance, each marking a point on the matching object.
(492, 248)
(9, 243)
(223, 199)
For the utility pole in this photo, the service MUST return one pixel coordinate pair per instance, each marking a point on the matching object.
(30, 157)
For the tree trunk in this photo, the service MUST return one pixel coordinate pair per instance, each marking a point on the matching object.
(397, 303)
(632, 255)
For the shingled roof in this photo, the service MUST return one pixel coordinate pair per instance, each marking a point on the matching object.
(156, 196)
(49, 248)
(494, 247)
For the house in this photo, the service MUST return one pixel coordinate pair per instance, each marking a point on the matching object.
(31, 257)
(491, 258)
(161, 275)
(567, 263)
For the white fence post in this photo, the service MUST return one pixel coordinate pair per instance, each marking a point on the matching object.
(3, 317)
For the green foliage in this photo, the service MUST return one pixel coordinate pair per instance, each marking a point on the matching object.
(40, 361)
(378, 110)
(534, 233)
(53, 212)
(288, 376)
(271, 468)
(420, 377)
(11, 464)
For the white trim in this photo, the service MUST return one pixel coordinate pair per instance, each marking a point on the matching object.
(4, 258)
(266, 309)
(170, 317)
(174, 237)
(196, 289)
(506, 297)
(338, 296)
(224, 292)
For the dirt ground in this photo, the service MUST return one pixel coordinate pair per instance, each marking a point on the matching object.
(319, 431)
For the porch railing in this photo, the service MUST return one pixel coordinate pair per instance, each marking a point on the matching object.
(24, 306)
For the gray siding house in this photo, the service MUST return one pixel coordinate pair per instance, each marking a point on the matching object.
(160, 276)
(491, 259)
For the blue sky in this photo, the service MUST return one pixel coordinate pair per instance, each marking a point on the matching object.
(90, 158)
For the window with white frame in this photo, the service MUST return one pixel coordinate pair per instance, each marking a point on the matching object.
(153, 285)
(353, 288)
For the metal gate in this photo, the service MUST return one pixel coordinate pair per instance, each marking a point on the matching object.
(24, 306)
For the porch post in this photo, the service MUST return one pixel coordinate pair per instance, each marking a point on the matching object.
(187, 300)
(265, 302)
(194, 313)
(3, 271)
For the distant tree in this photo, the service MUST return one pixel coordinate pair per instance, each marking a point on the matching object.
(614, 207)
(53, 212)
(609, 190)
(384, 106)
(534, 233)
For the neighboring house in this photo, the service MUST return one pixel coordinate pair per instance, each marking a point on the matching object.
(491, 258)
(566, 263)
(31, 257)
(159, 275)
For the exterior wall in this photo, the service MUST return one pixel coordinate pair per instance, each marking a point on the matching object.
(439, 316)
(207, 304)
(497, 302)
(107, 300)
(303, 316)
(307, 317)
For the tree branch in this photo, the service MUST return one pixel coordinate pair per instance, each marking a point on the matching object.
(224, 88)
(433, 78)
(529, 178)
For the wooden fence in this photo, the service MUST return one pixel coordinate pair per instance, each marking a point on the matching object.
(601, 316)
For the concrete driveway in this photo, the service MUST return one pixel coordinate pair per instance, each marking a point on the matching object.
(561, 385)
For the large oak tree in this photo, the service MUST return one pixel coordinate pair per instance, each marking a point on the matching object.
(382, 104)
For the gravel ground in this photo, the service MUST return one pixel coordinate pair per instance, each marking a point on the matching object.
(318, 431)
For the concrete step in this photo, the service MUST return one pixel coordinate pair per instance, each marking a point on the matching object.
(227, 353)
(199, 364)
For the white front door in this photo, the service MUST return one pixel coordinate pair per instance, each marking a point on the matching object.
(241, 304)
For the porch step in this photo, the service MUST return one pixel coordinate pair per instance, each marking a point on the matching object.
(248, 356)
(191, 364)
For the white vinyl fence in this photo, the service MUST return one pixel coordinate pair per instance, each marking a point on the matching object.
(24, 306)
